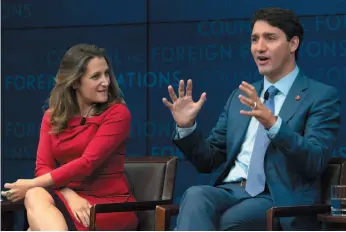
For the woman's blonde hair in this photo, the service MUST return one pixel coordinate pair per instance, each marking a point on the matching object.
(62, 101)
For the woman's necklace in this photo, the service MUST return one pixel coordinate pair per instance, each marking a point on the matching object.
(84, 118)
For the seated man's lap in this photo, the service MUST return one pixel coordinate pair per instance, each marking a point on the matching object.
(249, 214)
(231, 204)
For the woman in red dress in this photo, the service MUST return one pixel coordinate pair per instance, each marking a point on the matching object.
(80, 156)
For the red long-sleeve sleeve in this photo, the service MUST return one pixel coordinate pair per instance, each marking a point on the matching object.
(112, 132)
(45, 162)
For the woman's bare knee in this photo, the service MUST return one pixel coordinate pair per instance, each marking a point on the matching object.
(29, 229)
(37, 197)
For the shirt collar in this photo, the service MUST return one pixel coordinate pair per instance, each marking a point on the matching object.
(284, 84)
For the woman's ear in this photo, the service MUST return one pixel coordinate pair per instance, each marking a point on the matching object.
(75, 85)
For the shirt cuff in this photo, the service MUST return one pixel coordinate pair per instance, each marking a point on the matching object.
(183, 132)
(274, 129)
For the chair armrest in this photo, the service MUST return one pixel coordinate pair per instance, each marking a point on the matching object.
(291, 211)
(7, 205)
(163, 215)
(122, 207)
(7, 214)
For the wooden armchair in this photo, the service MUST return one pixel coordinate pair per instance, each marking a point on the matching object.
(152, 180)
(334, 174)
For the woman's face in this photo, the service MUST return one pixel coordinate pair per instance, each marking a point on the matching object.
(93, 86)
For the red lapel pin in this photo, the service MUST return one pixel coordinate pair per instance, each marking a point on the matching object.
(297, 98)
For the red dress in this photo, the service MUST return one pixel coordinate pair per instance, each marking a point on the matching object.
(90, 160)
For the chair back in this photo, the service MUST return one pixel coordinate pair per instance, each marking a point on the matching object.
(151, 179)
(335, 174)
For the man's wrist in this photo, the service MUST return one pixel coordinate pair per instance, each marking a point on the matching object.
(187, 125)
(273, 120)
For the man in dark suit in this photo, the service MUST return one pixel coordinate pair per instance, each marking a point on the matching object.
(275, 137)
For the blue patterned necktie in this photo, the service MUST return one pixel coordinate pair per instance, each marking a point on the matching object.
(256, 178)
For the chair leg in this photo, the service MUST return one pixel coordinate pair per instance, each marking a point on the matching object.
(270, 220)
(92, 226)
(162, 219)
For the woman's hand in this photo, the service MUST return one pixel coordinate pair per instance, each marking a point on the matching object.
(81, 210)
(18, 189)
(79, 206)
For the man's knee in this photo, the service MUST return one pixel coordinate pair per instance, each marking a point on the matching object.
(197, 192)
(200, 196)
(37, 196)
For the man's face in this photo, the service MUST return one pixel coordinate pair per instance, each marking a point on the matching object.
(270, 49)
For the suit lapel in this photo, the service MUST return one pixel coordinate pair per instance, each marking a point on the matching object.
(294, 97)
(241, 122)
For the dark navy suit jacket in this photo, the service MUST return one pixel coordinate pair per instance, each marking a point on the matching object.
(296, 156)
